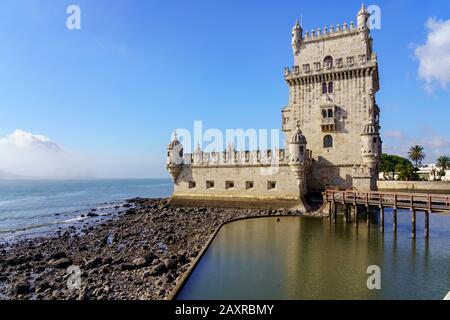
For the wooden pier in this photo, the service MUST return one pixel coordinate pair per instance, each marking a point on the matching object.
(415, 202)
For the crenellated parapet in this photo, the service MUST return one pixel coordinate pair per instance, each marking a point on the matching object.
(238, 158)
(344, 68)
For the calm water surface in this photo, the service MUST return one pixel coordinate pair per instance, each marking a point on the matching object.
(307, 258)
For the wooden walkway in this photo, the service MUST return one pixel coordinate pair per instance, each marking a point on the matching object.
(427, 203)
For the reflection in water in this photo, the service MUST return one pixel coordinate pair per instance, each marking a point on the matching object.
(306, 258)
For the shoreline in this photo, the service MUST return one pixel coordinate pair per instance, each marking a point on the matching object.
(142, 253)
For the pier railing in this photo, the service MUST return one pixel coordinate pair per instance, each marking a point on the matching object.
(411, 201)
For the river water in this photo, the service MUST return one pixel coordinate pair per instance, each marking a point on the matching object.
(307, 258)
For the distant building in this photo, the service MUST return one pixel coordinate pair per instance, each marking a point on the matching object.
(331, 126)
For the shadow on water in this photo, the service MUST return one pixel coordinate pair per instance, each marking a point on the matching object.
(307, 258)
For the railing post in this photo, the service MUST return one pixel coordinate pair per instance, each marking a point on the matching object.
(394, 225)
(427, 224)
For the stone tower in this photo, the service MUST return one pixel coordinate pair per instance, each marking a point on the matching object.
(332, 88)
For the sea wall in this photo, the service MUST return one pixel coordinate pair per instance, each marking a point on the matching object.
(254, 186)
(415, 186)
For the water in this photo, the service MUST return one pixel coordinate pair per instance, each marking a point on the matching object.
(306, 258)
(34, 206)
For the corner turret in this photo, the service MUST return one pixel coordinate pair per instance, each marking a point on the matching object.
(297, 37)
(363, 17)
(174, 157)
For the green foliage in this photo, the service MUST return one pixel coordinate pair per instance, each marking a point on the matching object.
(416, 154)
(443, 162)
(390, 164)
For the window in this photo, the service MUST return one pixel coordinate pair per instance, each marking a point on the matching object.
(229, 185)
(324, 113)
(327, 87)
(191, 184)
(330, 87)
(249, 185)
(330, 113)
(328, 62)
(324, 88)
(209, 184)
(271, 185)
(328, 141)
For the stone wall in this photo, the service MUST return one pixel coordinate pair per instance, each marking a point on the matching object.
(284, 195)
(415, 186)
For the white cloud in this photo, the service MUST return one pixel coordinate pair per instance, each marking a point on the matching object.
(22, 139)
(31, 155)
(434, 55)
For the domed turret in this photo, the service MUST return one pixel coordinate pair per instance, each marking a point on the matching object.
(174, 157)
(370, 144)
(297, 147)
(297, 36)
(363, 17)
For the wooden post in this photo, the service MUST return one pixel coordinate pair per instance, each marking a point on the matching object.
(395, 220)
(368, 215)
(335, 213)
(355, 208)
(382, 219)
(413, 223)
(427, 224)
(330, 211)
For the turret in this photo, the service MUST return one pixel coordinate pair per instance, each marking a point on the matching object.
(174, 157)
(297, 148)
(371, 145)
(297, 37)
(363, 17)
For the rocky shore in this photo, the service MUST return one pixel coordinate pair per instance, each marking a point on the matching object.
(142, 254)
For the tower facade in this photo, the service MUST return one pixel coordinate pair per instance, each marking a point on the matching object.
(332, 89)
(331, 126)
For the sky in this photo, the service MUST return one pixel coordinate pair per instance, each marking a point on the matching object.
(103, 101)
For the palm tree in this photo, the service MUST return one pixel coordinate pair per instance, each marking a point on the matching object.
(443, 162)
(416, 154)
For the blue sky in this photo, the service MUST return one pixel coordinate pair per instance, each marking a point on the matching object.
(112, 92)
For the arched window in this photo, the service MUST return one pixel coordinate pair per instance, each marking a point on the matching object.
(328, 141)
(330, 87)
(324, 88)
(328, 62)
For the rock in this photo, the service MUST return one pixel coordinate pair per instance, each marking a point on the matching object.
(150, 257)
(170, 263)
(3, 277)
(58, 255)
(140, 263)
(92, 214)
(22, 287)
(61, 263)
(127, 266)
(93, 263)
(158, 270)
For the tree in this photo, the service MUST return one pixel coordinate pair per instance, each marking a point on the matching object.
(416, 154)
(443, 163)
(406, 172)
(391, 164)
